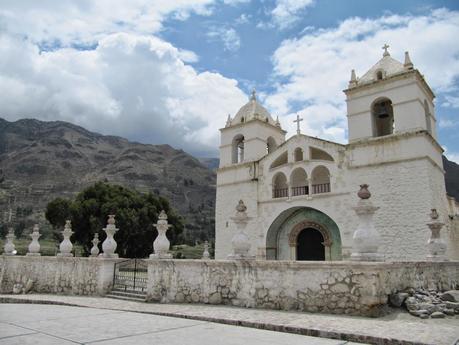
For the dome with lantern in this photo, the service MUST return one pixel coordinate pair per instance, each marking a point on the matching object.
(252, 110)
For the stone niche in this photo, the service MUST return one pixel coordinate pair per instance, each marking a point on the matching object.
(354, 288)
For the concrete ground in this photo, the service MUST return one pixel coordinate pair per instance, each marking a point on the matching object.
(396, 328)
(56, 324)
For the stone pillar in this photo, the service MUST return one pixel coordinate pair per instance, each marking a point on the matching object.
(161, 244)
(109, 245)
(366, 239)
(95, 247)
(66, 246)
(34, 246)
(205, 254)
(240, 241)
(437, 247)
(9, 248)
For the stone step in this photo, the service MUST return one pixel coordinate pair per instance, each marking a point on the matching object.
(126, 298)
(137, 294)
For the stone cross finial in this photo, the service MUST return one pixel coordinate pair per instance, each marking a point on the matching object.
(95, 247)
(298, 120)
(34, 246)
(9, 248)
(109, 245)
(385, 47)
(205, 254)
(161, 244)
(366, 239)
(437, 247)
(253, 96)
(66, 245)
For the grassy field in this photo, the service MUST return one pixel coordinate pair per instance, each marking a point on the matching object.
(50, 247)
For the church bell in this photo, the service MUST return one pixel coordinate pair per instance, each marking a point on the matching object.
(382, 110)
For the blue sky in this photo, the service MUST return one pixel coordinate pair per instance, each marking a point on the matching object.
(170, 71)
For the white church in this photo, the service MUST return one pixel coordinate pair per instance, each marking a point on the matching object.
(300, 192)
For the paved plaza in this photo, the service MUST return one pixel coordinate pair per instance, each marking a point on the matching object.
(112, 318)
(37, 324)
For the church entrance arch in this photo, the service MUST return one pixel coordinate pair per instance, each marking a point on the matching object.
(303, 233)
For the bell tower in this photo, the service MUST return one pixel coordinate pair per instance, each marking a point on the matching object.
(389, 99)
(250, 135)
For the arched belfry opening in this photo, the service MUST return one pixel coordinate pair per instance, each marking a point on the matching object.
(238, 149)
(383, 117)
(271, 145)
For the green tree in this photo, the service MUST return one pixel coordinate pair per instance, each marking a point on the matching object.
(135, 215)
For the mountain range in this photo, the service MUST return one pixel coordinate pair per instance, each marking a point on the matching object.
(40, 161)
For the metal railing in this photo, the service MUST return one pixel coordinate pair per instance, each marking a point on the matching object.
(280, 193)
(320, 188)
(301, 190)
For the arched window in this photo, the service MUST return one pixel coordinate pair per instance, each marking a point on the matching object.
(299, 182)
(383, 117)
(270, 145)
(320, 180)
(298, 154)
(280, 187)
(379, 75)
(427, 117)
(238, 149)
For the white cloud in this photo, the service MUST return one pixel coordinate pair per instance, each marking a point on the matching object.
(67, 22)
(130, 85)
(447, 123)
(315, 68)
(451, 101)
(229, 37)
(287, 12)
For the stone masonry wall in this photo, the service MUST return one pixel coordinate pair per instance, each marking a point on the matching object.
(76, 276)
(339, 287)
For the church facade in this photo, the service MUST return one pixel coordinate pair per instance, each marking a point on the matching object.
(300, 192)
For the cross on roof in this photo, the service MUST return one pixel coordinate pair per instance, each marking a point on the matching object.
(298, 120)
(385, 46)
(253, 97)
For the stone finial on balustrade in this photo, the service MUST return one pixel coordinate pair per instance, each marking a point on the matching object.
(34, 246)
(206, 254)
(435, 244)
(161, 244)
(240, 241)
(9, 248)
(66, 246)
(366, 240)
(109, 245)
(95, 245)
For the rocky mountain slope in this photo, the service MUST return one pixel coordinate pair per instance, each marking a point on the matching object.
(451, 178)
(40, 161)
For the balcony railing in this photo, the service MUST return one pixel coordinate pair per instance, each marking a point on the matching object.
(280, 193)
(301, 190)
(320, 188)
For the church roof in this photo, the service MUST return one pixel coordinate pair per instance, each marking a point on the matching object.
(385, 67)
(251, 111)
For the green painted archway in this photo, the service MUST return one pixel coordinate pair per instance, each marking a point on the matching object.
(283, 232)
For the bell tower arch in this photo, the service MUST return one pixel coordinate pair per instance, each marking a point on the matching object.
(390, 98)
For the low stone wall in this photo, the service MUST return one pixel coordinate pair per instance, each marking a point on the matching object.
(338, 287)
(66, 275)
